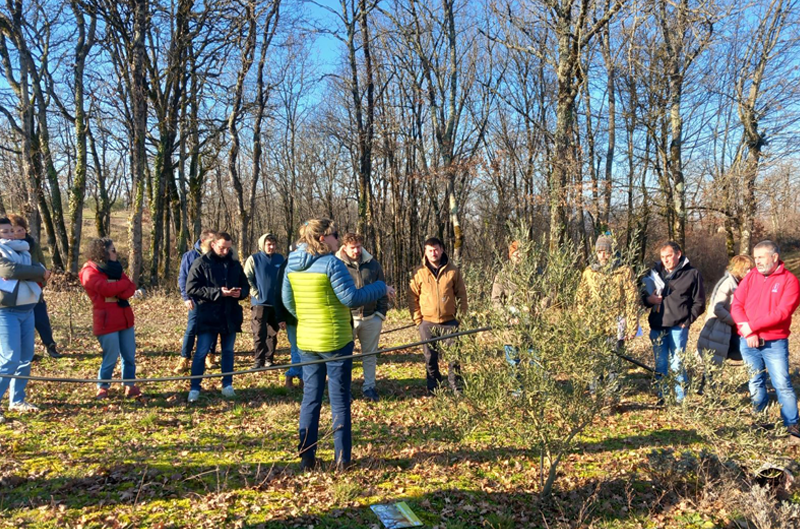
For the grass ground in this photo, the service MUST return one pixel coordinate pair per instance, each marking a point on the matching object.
(232, 463)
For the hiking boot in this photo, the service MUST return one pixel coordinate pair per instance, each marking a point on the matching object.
(102, 393)
(184, 364)
(794, 430)
(52, 351)
(132, 392)
(308, 461)
(228, 392)
(371, 394)
(23, 407)
(194, 395)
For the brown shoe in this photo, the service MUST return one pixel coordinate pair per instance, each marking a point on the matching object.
(289, 383)
(794, 431)
(184, 364)
(132, 392)
(102, 393)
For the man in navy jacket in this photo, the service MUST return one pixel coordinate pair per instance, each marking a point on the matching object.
(262, 271)
(200, 247)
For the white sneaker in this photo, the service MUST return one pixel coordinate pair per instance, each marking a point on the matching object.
(194, 395)
(227, 391)
(23, 407)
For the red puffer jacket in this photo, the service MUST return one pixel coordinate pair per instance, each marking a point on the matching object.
(107, 315)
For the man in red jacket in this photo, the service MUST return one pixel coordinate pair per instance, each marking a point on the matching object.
(762, 309)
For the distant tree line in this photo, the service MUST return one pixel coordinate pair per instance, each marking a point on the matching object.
(400, 119)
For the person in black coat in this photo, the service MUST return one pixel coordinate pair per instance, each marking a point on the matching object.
(217, 282)
(676, 298)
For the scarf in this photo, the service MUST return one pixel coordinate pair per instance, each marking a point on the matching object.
(113, 269)
(18, 251)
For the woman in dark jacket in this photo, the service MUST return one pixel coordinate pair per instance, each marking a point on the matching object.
(40, 315)
(216, 282)
(110, 289)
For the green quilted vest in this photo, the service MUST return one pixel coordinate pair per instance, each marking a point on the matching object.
(323, 322)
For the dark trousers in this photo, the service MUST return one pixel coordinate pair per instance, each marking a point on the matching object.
(433, 376)
(264, 325)
(42, 323)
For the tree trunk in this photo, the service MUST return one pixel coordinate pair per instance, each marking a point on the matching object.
(138, 97)
(78, 191)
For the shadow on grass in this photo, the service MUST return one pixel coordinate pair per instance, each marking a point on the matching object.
(593, 501)
(597, 502)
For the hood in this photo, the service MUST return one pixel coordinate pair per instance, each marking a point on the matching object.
(198, 246)
(300, 259)
(365, 257)
(261, 241)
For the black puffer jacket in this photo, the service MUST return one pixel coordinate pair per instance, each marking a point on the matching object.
(684, 298)
(215, 312)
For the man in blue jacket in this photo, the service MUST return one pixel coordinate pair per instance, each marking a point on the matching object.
(200, 247)
(262, 271)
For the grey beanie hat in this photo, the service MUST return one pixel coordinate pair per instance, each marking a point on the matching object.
(603, 243)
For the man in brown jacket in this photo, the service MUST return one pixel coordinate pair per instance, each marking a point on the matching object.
(436, 293)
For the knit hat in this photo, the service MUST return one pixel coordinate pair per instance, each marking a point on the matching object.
(603, 243)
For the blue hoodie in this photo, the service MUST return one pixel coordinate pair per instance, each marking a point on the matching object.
(186, 263)
(319, 291)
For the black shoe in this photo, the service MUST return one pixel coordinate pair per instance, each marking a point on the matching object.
(371, 394)
(308, 462)
(258, 365)
(794, 430)
(52, 351)
(766, 426)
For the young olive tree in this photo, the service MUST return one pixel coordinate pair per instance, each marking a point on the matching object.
(550, 366)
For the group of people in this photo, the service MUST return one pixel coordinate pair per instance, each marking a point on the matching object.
(328, 292)
(748, 320)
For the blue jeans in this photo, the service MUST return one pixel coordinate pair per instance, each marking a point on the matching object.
(42, 322)
(205, 342)
(774, 356)
(291, 334)
(116, 344)
(190, 334)
(668, 348)
(340, 374)
(16, 350)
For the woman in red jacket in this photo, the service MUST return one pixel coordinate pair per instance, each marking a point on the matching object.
(109, 289)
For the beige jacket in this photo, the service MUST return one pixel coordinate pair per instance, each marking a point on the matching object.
(437, 299)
